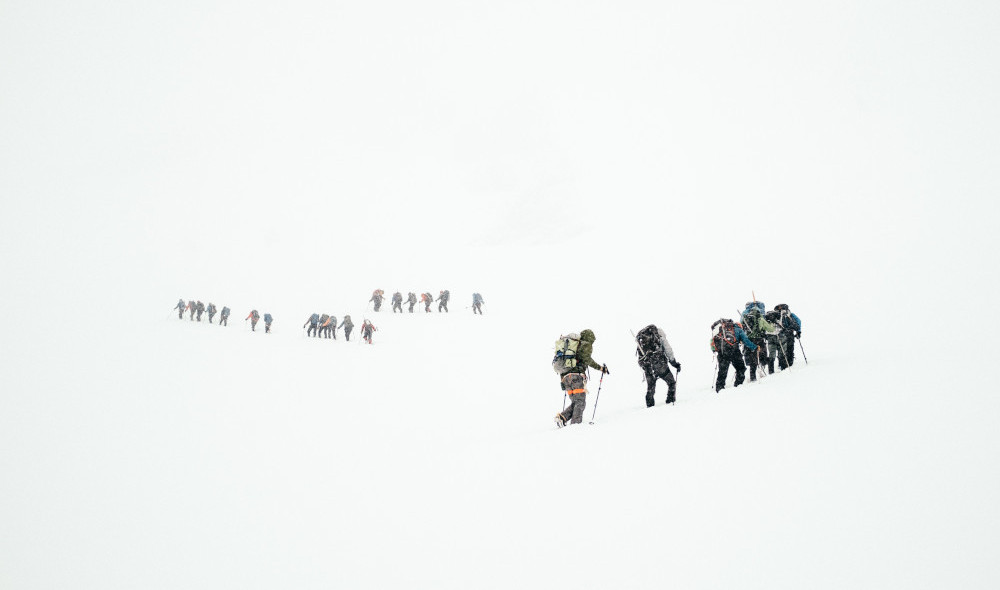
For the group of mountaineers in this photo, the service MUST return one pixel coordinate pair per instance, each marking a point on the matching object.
(444, 296)
(755, 341)
(325, 325)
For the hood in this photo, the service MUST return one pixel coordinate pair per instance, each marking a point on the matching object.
(587, 336)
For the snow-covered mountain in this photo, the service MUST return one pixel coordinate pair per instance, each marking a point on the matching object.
(602, 166)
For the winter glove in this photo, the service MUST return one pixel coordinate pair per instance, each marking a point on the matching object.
(604, 369)
(798, 334)
(676, 366)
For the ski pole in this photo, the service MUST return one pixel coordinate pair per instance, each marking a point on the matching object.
(597, 398)
(715, 373)
(799, 338)
(781, 349)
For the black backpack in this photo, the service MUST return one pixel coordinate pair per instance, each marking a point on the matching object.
(648, 340)
(751, 322)
(723, 334)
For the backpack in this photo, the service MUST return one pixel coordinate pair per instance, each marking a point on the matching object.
(256, 316)
(787, 321)
(565, 353)
(267, 318)
(724, 334)
(225, 311)
(648, 340)
(752, 321)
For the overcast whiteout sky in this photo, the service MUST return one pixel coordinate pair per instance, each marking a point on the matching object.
(229, 145)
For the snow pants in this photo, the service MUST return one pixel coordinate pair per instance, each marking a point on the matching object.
(253, 325)
(772, 351)
(180, 313)
(210, 316)
(755, 358)
(477, 308)
(443, 304)
(224, 321)
(398, 306)
(267, 327)
(786, 354)
(658, 368)
(347, 333)
(730, 355)
(411, 306)
(574, 382)
(313, 330)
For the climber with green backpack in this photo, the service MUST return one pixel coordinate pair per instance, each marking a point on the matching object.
(571, 361)
(757, 328)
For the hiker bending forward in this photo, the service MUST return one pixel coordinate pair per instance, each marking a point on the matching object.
(574, 380)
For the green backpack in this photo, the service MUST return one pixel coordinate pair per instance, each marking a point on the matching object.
(565, 353)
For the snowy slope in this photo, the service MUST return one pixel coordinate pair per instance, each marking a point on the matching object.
(201, 456)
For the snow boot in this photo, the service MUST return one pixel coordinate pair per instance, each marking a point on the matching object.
(560, 421)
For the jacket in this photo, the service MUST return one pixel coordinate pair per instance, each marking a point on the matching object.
(662, 347)
(791, 322)
(584, 352)
(741, 336)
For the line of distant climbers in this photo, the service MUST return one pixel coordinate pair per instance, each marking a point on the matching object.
(326, 325)
(197, 308)
(378, 296)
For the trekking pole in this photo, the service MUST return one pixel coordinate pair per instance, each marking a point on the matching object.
(597, 398)
(715, 373)
(781, 349)
(762, 365)
(564, 401)
(799, 338)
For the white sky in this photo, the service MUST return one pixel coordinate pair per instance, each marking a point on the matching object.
(334, 134)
